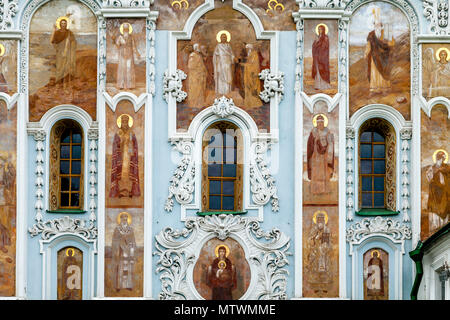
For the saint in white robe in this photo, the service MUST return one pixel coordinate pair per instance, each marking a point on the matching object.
(223, 61)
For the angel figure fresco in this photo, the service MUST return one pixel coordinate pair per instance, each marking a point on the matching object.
(437, 71)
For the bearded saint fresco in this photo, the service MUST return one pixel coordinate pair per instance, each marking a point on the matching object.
(320, 155)
(252, 87)
(321, 60)
(125, 170)
(197, 77)
(222, 275)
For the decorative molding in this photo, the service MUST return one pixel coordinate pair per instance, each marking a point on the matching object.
(273, 85)
(151, 37)
(437, 13)
(343, 56)
(349, 191)
(102, 53)
(178, 251)
(299, 25)
(182, 183)
(8, 10)
(328, 4)
(39, 136)
(126, 3)
(262, 184)
(223, 107)
(93, 138)
(172, 85)
(64, 225)
(405, 136)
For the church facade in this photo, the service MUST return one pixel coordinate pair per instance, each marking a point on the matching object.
(224, 149)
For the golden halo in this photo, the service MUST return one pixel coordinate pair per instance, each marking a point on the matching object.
(119, 120)
(439, 51)
(2, 50)
(70, 249)
(58, 22)
(180, 4)
(227, 250)
(373, 251)
(130, 28)
(325, 118)
(315, 216)
(219, 34)
(128, 217)
(440, 150)
(321, 24)
(223, 263)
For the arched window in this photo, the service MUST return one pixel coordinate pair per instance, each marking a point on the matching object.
(222, 168)
(377, 165)
(66, 166)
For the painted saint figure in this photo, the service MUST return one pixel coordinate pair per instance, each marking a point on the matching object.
(65, 45)
(375, 281)
(321, 60)
(123, 253)
(252, 84)
(440, 75)
(126, 77)
(222, 275)
(3, 83)
(318, 252)
(196, 78)
(320, 155)
(438, 176)
(125, 170)
(71, 277)
(223, 60)
(379, 53)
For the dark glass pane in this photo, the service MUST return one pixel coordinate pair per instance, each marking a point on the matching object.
(65, 152)
(366, 183)
(377, 137)
(76, 138)
(214, 202)
(379, 200)
(366, 136)
(214, 187)
(65, 137)
(378, 151)
(76, 152)
(379, 166)
(64, 167)
(65, 184)
(366, 200)
(378, 183)
(65, 199)
(366, 151)
(228, 187)
(75, 184)
(228, 203)
(366, 166)
(214, 170)
(229, 170)
(76, 167)
(74, 199)
(215, 155)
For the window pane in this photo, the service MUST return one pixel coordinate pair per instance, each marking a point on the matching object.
(229, 155)
(379, 200)
(229, 140)
(366, 151)
(366, 200)
(378, 184)
(76, 167)
(75, 184)
(216, 140)
(214, 170)
(366, 136)
(366, 183)
(75, 200)
(65, 199)
(229, 170)
(65, 137)
(228, 203)
(378, 151)
(379, 166)
(215, 155)
(366, 166)
(65, 184)
(214, 202)
(76, 152)
(65, 152)
(76, 138)
(377, 137)
(64, 167)
(214, 187)
(228, 187)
